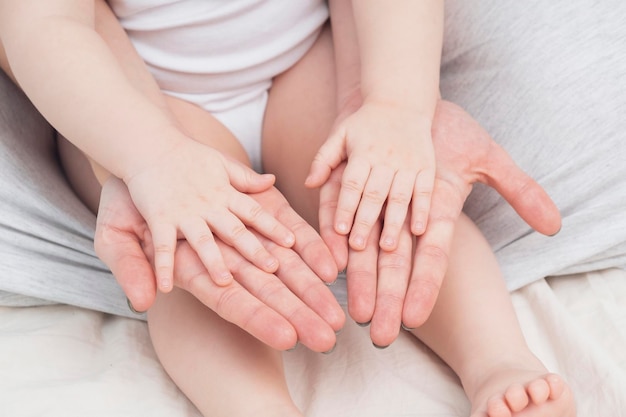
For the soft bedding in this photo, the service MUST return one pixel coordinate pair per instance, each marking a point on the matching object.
(65, 361)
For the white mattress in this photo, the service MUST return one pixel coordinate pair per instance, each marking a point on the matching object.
(64, 361)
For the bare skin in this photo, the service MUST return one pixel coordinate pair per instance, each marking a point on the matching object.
(182, 328)
(487, 339)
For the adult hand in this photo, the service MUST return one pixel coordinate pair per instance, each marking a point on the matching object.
(279, 309)
(377, 279)
(466, 154)
(388, 288)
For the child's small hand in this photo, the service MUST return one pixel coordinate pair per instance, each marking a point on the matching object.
(390, 160)
(194, 192)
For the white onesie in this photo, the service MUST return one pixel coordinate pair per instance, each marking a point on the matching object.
(222, 54)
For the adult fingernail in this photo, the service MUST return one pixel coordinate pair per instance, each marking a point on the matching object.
(131, 308)
(332, 349)
(380, 346)
(408, 329)
(292, 348)
(367, 323)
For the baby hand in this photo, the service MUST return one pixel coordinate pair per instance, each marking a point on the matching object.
(390, 161)
(194, 192)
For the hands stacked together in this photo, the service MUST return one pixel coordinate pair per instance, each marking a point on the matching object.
(390, 282)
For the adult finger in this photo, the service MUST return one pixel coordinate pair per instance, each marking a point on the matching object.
(361, 279)
(233, 302)
(123, 254)
(524, 194)
(308, 245)
(430, 261)
(394, 268)
(117, 243)
(300, 296)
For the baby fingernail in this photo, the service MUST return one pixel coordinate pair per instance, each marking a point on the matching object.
(342, 228)
(418, 227)
(359, 241)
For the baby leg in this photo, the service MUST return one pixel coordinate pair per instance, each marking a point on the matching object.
(222, 369)
(474, 329)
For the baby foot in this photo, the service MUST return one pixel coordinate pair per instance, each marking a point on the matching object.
(543, 395)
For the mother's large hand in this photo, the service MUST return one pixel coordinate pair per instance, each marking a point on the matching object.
(390, 288)
(279, 309)
(466, 154)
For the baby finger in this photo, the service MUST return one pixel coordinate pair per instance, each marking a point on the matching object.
(203, 242)
(233, 232)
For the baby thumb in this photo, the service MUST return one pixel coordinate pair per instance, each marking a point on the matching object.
(328, 157)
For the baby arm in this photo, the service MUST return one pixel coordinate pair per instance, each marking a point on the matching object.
(387, 141)
(181, 188)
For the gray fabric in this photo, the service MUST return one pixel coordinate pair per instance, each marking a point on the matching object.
(547, 79)
(46, 233)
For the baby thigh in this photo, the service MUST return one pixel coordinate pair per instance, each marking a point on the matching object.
(300, 112)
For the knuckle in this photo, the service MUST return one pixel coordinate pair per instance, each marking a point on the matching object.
(390, 301)
(258, 252)
(401, 198)
(271, 290)
(255, 212)
(435, 253)
(375, 196)
(238, 231)
(363, 223)
(163, 248)
(226, 303)
(351, 184)
(395, 262)
(204, 239)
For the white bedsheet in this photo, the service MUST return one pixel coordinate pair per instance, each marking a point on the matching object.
(64, 361)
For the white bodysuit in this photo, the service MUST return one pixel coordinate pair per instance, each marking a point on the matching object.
(222, 55)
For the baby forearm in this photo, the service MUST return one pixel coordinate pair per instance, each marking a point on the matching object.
(400, 44)
(70, 74)
(346, 51)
